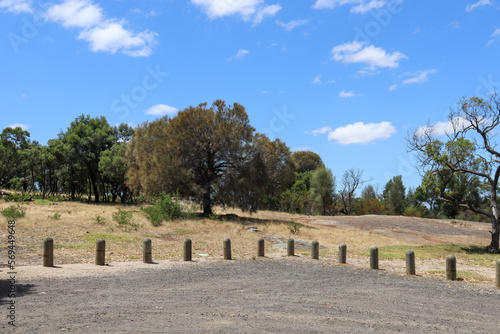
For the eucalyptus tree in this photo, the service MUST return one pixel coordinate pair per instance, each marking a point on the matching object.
(467, 165)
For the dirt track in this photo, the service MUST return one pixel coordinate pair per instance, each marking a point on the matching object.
(286, 295)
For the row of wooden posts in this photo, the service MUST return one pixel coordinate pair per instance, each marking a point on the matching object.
(147, 257)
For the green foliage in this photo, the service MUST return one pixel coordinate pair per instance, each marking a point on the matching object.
(416, 211)
(294, 227)
(322, 189)
(208, 153)
(214, 216)
(13, 212)
(14, 197)
(122, 217)
(99, 220)
(55, 216)
(370, 205)
(13, 142)
(395, 195)
(113, 168)
(306, 161)
(164, 208)
(42, 202)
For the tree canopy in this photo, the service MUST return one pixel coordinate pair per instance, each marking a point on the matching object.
(210, 153)
(467, 162)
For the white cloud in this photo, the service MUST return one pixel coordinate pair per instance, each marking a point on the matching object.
(480, 3)
(161, 110)
(454, 24)
(16, 6)
(414, 78)
(240, 54)
(19, 125)
(111, 36)
(443, 128)
(495, 36)
(419, 76)
(292, 24)
(267, 11)
(321, 131)
(103, 34)
(348, 94)
(360, 133)
(365, 7)
(317, 80)
(76, 13)
(358, 6)
(245, 8)
(359, 52)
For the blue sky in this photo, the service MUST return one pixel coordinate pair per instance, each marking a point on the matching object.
(347, 79)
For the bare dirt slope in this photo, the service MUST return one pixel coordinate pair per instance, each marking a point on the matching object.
(411, 230)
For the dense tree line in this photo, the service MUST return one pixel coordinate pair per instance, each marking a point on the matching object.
(86, 160)
(211, 154)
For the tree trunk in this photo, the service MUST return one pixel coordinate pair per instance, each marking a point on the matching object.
(207, 203)
(495, 236)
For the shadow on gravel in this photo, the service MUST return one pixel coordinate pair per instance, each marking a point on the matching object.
(9, 291)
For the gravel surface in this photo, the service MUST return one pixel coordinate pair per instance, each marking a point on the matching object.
(285, 295)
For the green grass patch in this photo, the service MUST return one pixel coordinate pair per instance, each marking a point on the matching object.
(472, 254)
(42, 202)
(108, 237)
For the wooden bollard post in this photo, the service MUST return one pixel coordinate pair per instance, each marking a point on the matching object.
(100, 252)
(227, 249)
(451, 268)
(260, 247)
(290, 247)
(342, 253)
(315, 250)
(410, 262)
(48, 252)
(498, 274)
(188, 250)
(147, 254)
(374, 258)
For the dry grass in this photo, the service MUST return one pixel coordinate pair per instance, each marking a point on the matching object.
(76, 226)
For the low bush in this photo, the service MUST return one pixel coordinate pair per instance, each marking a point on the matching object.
(123, 217)
(164, 208)
(13, 212)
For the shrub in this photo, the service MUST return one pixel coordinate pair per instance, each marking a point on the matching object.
(294, 227)
(99, 220)
(123, 217)
(416, 211)
(56, 216)
(164, 208)
(13, 212)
